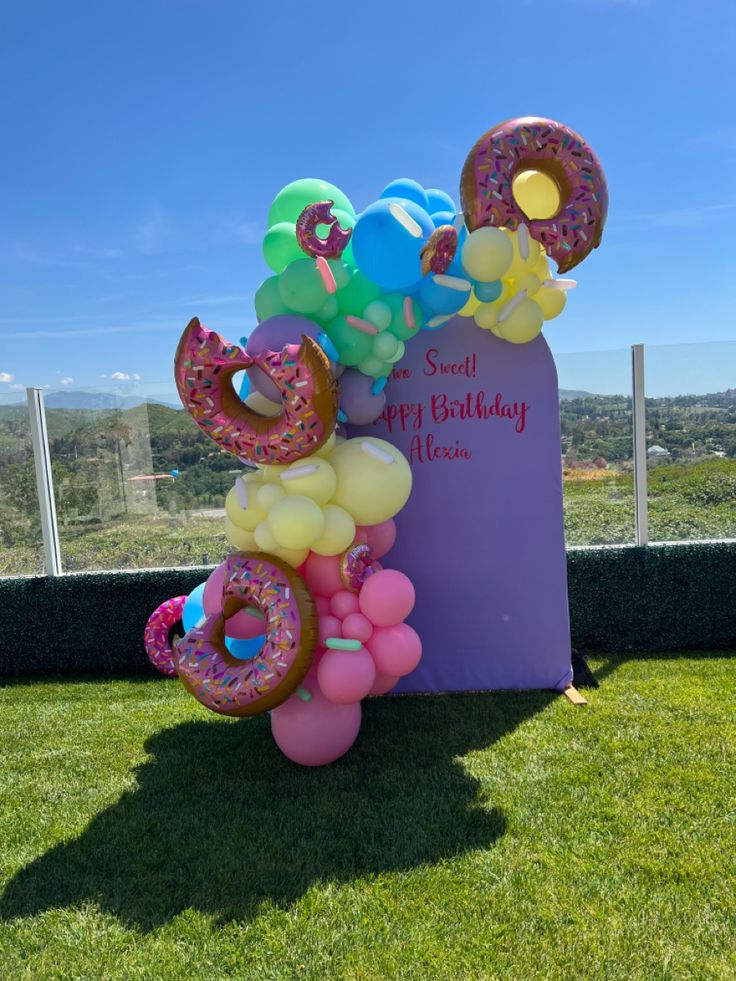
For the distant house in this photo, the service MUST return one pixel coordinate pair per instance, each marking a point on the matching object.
(657, 452)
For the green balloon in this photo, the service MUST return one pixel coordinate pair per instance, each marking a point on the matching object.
(352, 345)
(372, 366)
(268, 300)
(342, 272)
(301, 287)
(385, 345)
(328, 312)
(398, 326)
(280, 246)
(295, 197)
(358, 293)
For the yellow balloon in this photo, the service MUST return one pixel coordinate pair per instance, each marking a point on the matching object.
(293, 556)
(537, 194)
(260, 404)
(523, 324)
(551, 301)
(243, 541)
(487, 253)
(245, 518)
(521, 266)
(311, 477)
(470, 307)
(373, 479)
(327, 447)
(339, 531)
(295, 522)
(486, 316)
(264, 538)
(541, 267)
(268, 494)
(530, 282)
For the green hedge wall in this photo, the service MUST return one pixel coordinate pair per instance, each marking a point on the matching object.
(660, 598)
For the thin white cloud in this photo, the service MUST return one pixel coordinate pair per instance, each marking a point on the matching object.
(152, 232)
(120, 376)
(6, 377)
(67, 380)
(17, 388)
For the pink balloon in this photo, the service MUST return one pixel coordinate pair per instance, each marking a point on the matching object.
(323, 606)
(396, 650)
(316, 732)
(383, 683)
(343, 603)
(323, 574)
(243, 625)
(387, 597)
(381, 537)
(329, 627)
(355, 626)
(346, 676)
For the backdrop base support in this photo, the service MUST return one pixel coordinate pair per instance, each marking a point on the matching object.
(574, 695)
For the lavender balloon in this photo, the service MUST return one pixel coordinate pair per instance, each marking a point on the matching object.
(272, 335)
(357, 402)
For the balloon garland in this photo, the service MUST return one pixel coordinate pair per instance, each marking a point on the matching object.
(302, 620)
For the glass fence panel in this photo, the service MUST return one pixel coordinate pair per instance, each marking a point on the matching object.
(136, 483)
(21, 553)
(691, 440)
(597, 437)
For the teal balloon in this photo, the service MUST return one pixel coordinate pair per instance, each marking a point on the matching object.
(295, 197)
(244, 650)
(488, 292)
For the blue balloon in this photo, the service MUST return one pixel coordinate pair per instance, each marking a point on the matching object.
(193, 608)
(385, 250)
(244, 650)
(439, 201)
(488, 292)
(440, 299)
(405, 187)
(244, 387)
(174, 474)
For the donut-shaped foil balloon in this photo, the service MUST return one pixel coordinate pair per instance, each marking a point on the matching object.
(533, 143)
(204, 367)
(230, 686)
(158, 637)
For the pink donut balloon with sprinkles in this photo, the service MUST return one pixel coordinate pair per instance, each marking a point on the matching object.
(231, 686)
(204, 367)
(543, 145)
(314, 215)
(159, 636)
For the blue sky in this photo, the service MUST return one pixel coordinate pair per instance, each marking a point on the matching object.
(144, 141)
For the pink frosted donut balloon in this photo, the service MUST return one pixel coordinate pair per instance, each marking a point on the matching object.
(533, 143)
(314, 215)
(245, 624)
(157, 637)
(236, 687)
(204, 367)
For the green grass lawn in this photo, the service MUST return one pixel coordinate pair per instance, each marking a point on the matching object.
(488, 836)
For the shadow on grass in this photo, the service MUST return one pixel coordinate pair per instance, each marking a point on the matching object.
(220, 821)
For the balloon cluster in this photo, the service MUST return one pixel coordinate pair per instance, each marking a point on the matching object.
(302, 620)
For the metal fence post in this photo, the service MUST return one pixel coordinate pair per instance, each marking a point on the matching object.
(44, 482)
(641, 506)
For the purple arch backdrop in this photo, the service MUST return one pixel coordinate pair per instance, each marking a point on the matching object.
(482, 536)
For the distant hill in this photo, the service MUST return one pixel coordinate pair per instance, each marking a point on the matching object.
(99, 400)
(566, 394)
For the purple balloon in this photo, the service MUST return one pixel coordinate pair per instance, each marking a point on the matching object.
(357, 402)
(272, 335)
